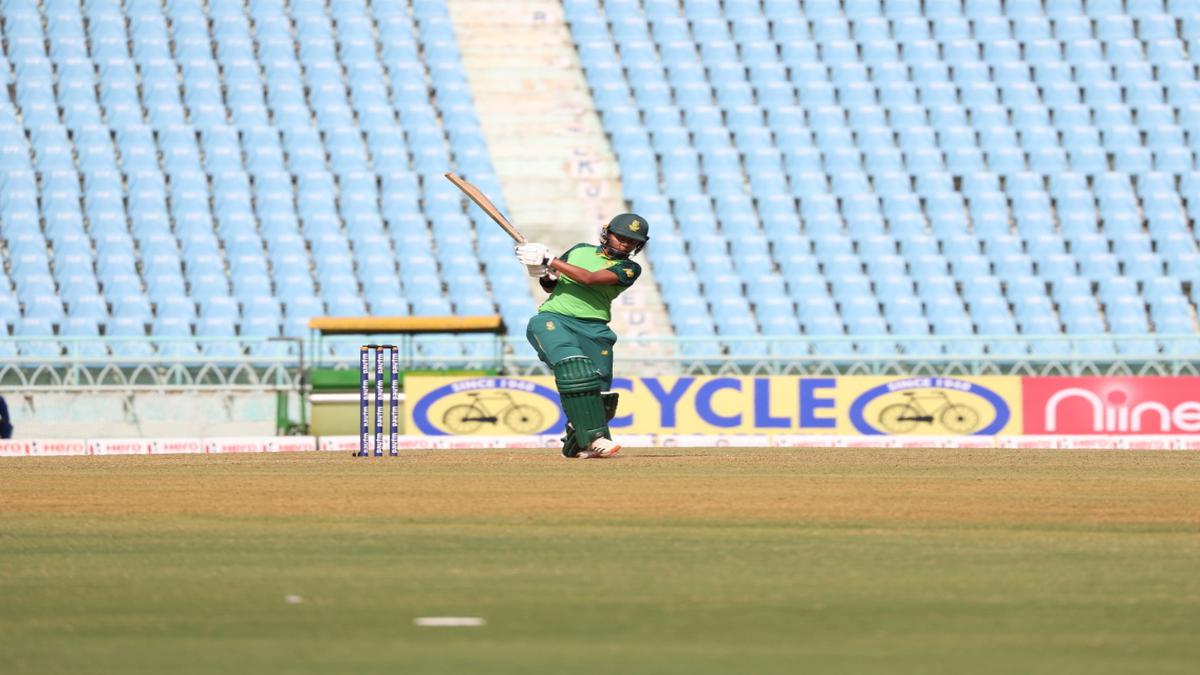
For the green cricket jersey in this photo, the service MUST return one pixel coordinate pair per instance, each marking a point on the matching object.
(571, 298)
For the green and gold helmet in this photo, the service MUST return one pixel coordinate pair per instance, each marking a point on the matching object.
(630, 226)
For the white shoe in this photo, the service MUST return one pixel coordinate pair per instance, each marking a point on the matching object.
(602, 447)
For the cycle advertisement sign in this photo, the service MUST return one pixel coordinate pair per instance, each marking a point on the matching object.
(920, 406)
(938, 406)
(482, 406)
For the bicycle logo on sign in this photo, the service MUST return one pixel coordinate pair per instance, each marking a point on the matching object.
(467, 418)
(901, 418)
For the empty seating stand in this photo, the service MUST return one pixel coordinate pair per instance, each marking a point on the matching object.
(865, 167)
(176, 171)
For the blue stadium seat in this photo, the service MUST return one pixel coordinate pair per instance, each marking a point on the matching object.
(980, 135)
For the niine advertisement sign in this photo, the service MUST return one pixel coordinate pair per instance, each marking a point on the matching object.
(1111, 405)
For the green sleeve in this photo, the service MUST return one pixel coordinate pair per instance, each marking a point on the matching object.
(627, 272)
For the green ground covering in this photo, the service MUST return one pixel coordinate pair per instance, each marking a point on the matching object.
(697, 561)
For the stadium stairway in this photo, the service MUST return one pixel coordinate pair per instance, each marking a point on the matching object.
(560, 178)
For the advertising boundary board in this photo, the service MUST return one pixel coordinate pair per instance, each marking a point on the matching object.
(1034, 413)
(49, 447)
(899, 407)
(726, 405)
(1133, 406)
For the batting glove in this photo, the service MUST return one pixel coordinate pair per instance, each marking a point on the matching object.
(533, 254)
(537, 271)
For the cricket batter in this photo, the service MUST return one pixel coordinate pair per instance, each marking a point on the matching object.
(570, 331)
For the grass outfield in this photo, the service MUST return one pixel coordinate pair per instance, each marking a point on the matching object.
(661, 561)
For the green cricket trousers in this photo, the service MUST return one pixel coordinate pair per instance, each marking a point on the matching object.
(556, 337)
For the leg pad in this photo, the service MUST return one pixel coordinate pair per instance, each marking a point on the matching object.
(578, 386)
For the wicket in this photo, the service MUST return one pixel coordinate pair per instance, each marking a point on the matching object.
(364, 399)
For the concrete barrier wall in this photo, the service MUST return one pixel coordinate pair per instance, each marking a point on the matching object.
(141, 414)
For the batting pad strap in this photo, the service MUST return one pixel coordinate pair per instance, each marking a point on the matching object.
(609, 399)
(576, 374)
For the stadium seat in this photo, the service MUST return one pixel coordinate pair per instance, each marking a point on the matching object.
(193, 99)
(217, 166)
(1033, 108)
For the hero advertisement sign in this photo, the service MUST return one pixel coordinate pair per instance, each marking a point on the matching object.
(1111, 405)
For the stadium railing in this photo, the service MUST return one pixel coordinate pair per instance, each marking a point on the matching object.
(265, 364)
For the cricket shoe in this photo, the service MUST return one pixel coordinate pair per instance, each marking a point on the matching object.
(601, 448)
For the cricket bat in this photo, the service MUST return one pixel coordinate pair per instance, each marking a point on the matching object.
(488, 207)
